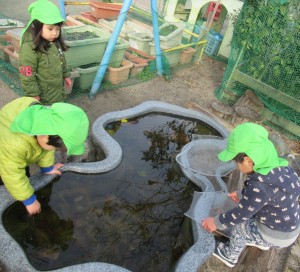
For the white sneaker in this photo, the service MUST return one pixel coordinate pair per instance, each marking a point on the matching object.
(259, 246)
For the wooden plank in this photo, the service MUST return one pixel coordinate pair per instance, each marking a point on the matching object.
(267, 90)
(280, 121)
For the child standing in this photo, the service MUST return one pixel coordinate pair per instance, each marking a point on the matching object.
(30, 132)
(42, 64)
(268, 212)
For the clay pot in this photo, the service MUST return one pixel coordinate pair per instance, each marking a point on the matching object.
(120, 74)
(187, 55)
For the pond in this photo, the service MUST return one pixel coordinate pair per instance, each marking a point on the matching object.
(132, 216)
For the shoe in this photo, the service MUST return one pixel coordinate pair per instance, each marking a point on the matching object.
(259, 246)
(218, 253)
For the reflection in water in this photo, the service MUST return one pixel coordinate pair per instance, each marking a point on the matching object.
(131, 216)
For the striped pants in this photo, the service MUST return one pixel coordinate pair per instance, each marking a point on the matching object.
(242, 235)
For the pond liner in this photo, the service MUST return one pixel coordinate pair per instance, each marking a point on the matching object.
(13, 257)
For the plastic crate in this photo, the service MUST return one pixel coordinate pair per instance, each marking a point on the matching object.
(85, 51)
(86, 77)
(140, 40)
(118, 53)
(174, 38)
(214, 41)
(6, 24)
(172, 56)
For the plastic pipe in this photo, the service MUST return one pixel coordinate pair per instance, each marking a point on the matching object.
(156, 37)
(110, 47)
(62, 8)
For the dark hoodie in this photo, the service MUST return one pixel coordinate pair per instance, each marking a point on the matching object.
(273, 201)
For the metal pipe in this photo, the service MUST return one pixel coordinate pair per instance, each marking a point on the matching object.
(76, 3)
(185, 46)
(110, 48)
(62, 8)
(156, 37)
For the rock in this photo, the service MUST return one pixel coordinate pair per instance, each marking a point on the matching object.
(222, 110)
(280, 145)
(249, 106)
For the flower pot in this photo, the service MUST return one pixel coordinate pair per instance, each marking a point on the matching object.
(102, 10)
(186, 55)
(13, 56)
(84, 51)
(133, 54)
(71, 21)
(15, 36)
(7, 24)
(110, 27)
(138, 66)
(89, 16)
(140, 40)
(119, 75)
(3, 54)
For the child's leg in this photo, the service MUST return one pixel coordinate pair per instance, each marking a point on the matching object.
(242, 235)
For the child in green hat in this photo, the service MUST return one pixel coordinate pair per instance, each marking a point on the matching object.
(267, 212)
(30, 132)
(42, 65)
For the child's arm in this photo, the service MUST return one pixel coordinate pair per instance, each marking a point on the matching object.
(46, 163)
(16, 182)
(54, 169)
(28, 63)
(68, 81)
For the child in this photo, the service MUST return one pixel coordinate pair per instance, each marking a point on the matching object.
(42, 64)
(267, 214)
(29, 134)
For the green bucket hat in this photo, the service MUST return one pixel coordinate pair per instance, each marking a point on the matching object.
(44, 11)
(253, 140)
(62, 119)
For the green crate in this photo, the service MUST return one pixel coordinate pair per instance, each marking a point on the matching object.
(86, 77)
(118, 53)
(85, 51)
(140, 41)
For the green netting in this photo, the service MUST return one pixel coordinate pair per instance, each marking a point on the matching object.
(266, 48)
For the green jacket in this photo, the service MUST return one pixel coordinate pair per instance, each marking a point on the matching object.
(18, 151)
(42, 74)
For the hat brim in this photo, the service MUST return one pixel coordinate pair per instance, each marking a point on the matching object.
(52, 20)
(226, 155)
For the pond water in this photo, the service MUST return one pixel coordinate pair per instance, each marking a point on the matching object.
(132, 216)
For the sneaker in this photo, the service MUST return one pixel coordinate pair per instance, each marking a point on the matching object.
(219, 253)
(259, 246)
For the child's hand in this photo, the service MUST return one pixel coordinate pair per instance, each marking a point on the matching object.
(68, 81)
(37, 98)
(55, 170)
(34, 208)
(234, 196)
(209, 224)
